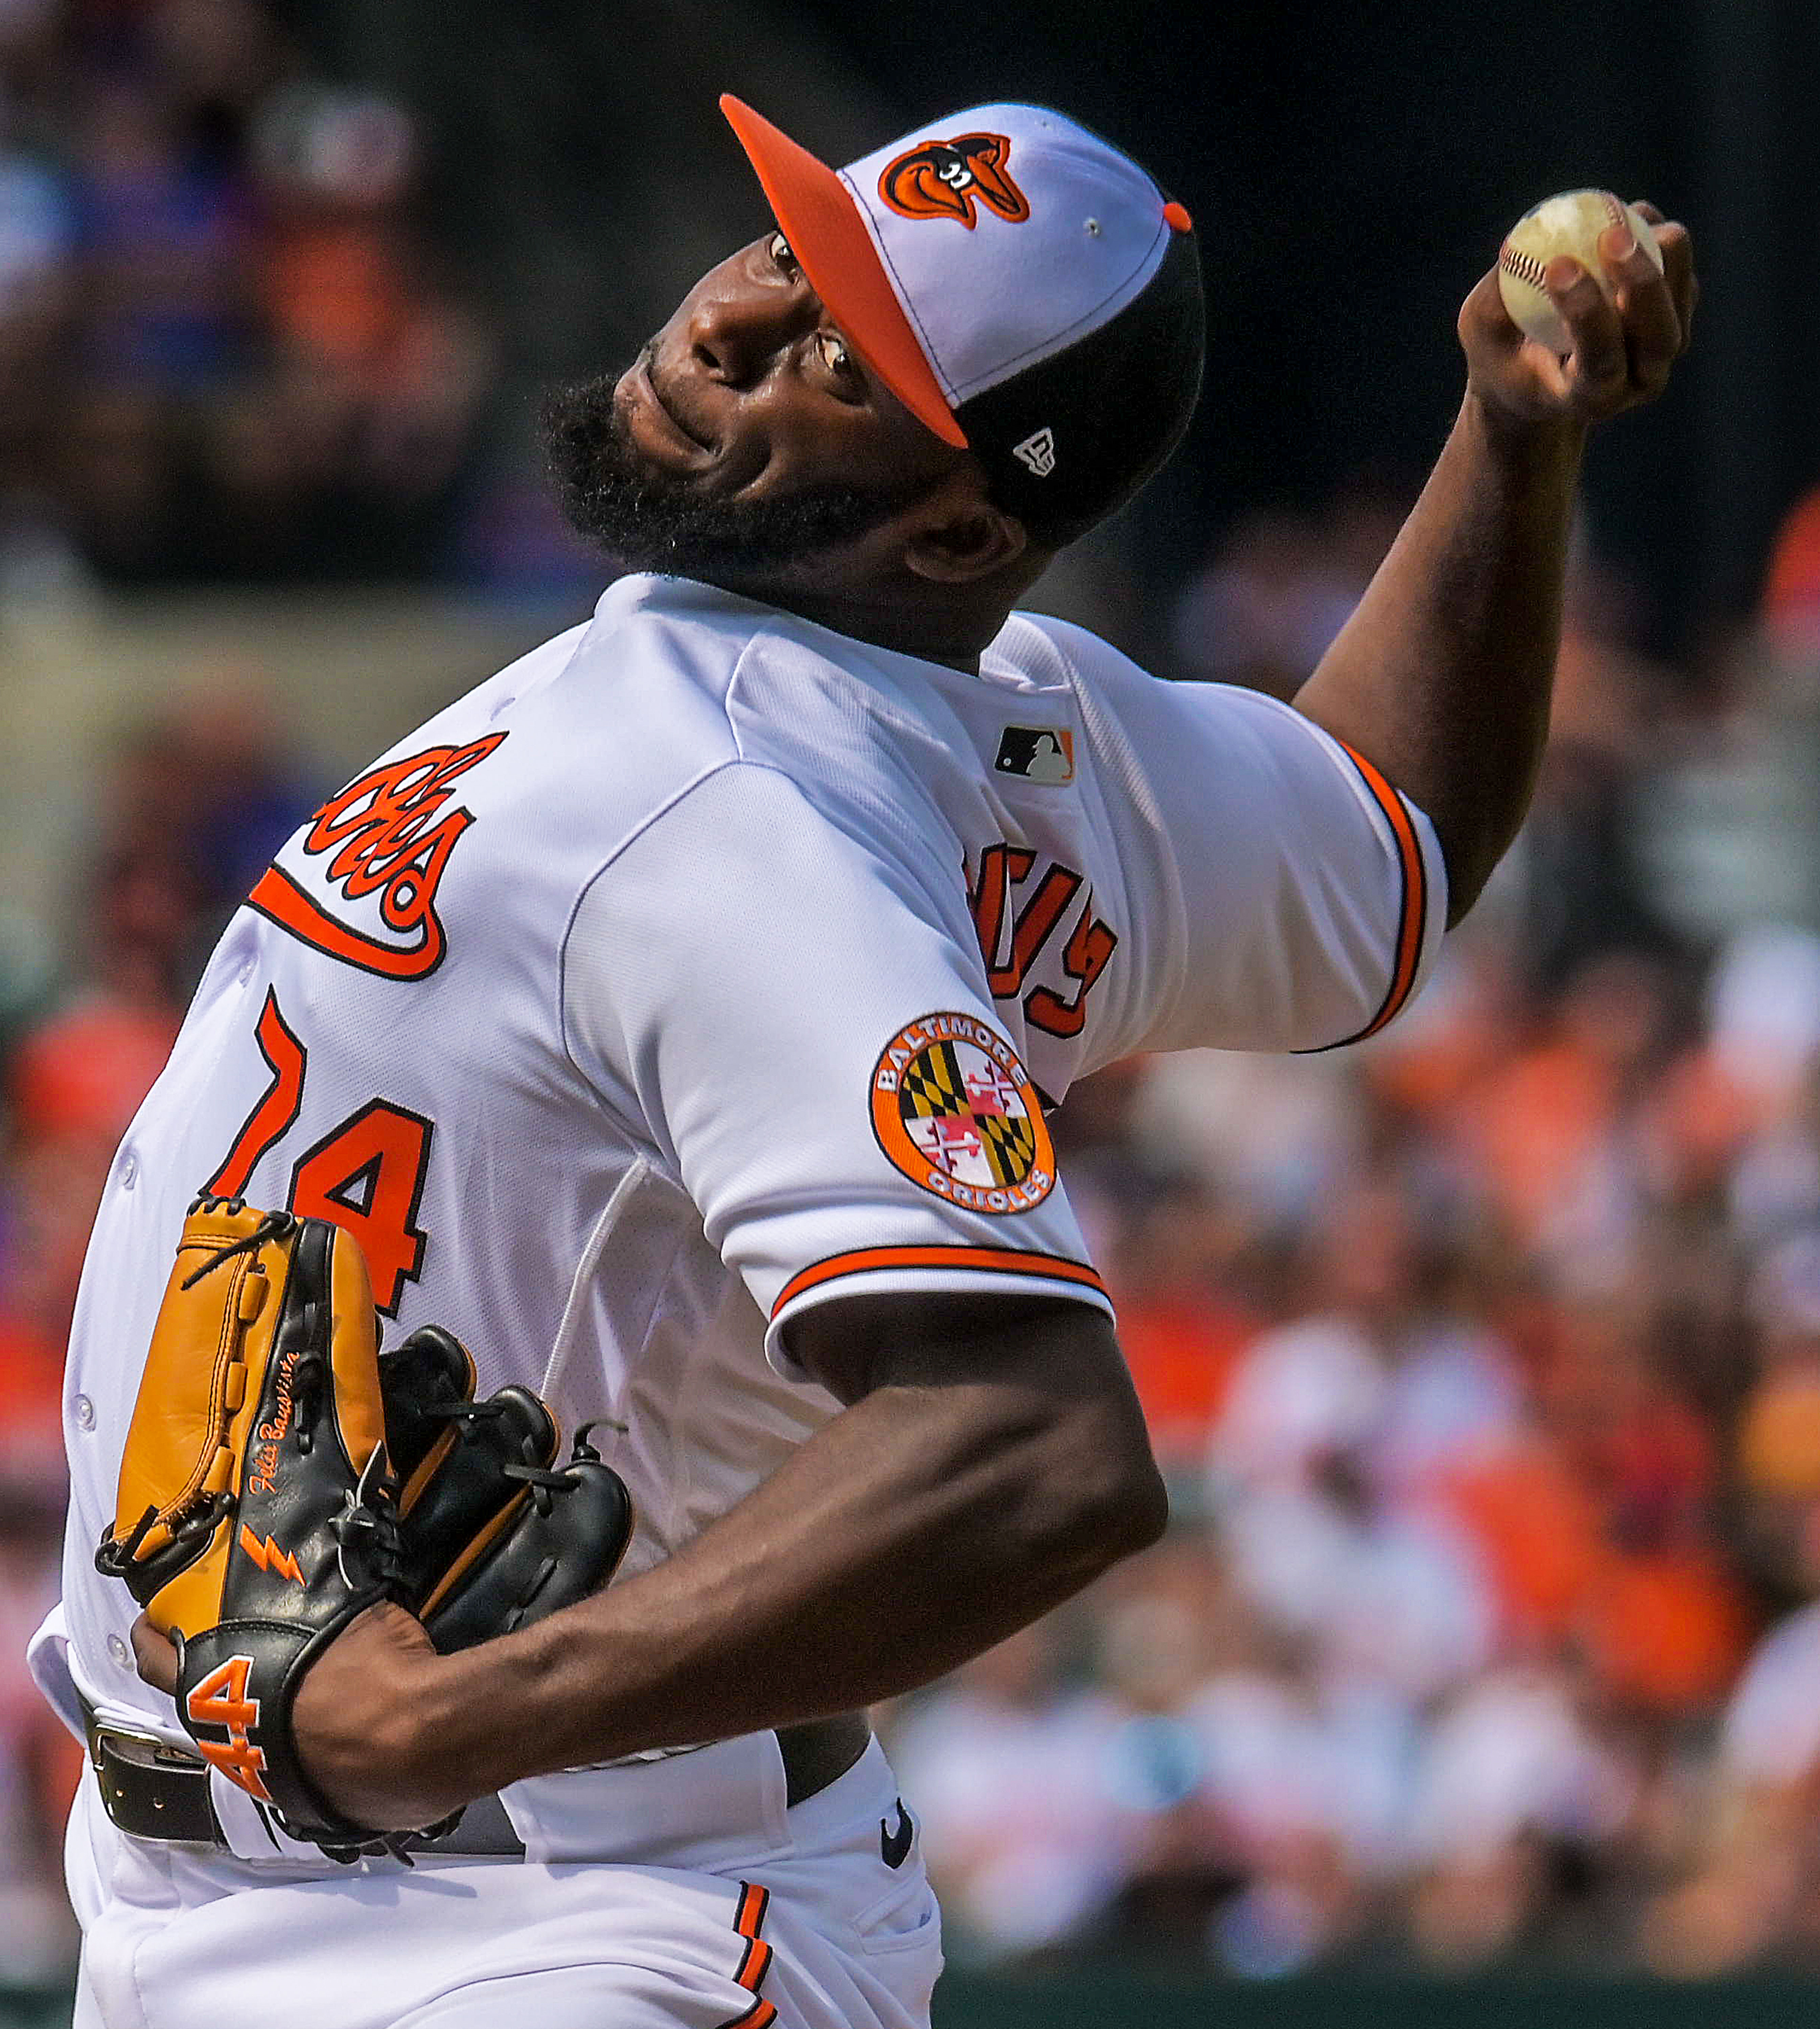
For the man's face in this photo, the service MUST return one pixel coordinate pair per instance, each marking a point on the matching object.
(746, 443)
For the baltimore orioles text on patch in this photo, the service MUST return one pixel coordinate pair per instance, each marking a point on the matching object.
(955, 1111)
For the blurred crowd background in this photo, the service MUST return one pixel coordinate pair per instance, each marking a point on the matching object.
(1484, 1361)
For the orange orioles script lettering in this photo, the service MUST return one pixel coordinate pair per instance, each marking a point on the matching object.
(391, 837)
(947, 179)
(1017, 915)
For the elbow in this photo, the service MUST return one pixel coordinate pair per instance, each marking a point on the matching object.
(1043, 1456)
(1466, 879)
(1105, 1506)
(1473, 841)
(1136, 1512)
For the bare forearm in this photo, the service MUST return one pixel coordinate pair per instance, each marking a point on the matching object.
(902, 1539)
(1442, 676)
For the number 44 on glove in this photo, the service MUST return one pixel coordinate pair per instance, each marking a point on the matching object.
(281, 1476)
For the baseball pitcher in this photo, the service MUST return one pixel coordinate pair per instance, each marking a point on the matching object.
(655, 1052)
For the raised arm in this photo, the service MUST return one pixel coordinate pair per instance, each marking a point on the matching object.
(1442, 677)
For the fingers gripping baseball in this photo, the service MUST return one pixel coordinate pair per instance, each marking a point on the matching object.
(1623, 345)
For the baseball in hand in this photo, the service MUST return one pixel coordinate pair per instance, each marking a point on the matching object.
(1569, 223)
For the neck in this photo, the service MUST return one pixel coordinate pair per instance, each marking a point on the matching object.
(910, 615)
(931, 634)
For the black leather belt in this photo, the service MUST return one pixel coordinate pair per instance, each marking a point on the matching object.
(153, 1791)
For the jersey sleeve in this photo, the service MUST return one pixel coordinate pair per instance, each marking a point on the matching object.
(800, 1022)
(1298, 899)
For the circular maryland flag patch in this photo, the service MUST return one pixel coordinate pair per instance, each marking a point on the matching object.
(955, 1112)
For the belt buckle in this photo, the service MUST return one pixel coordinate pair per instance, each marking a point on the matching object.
(149, 1789)
(145, 1748)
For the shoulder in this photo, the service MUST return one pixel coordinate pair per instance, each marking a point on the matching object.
(1170, 723)
(549, 769)
(1039, 646)
(628, 712)
(678, 659)
(662, 652)
(680, 706)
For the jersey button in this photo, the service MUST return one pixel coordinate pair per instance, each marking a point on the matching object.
(128, 1171)
(122, 1655)
(84, 1413)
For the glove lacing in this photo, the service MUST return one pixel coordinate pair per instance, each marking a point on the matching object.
(545, 1481)
(273, 1225)
(368, 1524)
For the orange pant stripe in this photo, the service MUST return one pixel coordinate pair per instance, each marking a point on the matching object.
(755, 1960)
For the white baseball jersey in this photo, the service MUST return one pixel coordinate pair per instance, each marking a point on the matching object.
(705, 965)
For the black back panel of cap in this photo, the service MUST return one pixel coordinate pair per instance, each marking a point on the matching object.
(1115, 404)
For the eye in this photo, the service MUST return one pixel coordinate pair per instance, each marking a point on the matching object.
(782, 257)
(835, 356)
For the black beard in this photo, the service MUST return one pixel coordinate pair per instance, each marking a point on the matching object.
(645, 519)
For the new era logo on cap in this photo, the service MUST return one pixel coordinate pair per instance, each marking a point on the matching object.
(1036, 452)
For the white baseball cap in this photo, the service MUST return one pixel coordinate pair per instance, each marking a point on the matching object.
(1023, 288)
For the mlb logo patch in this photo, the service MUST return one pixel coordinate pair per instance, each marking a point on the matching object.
(1037, 753)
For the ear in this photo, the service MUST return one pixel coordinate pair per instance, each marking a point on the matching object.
(960, 537)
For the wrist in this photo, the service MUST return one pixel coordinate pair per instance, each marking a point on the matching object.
(1526, 449)
(459, 1721)
(432, 1752)
(480, 1711)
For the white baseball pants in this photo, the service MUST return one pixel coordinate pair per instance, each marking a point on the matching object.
(809, 1927)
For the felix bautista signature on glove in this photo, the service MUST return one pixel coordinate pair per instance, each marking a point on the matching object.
(282, 1479)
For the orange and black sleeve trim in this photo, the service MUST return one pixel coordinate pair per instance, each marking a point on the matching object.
(1412, 912)
(968, 1260)
(755, 1961)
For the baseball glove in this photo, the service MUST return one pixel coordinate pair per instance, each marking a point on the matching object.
(261, 1508)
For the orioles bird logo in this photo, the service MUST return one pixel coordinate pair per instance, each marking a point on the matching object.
(943, 180)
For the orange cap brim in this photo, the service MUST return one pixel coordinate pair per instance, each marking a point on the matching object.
(828, 235)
